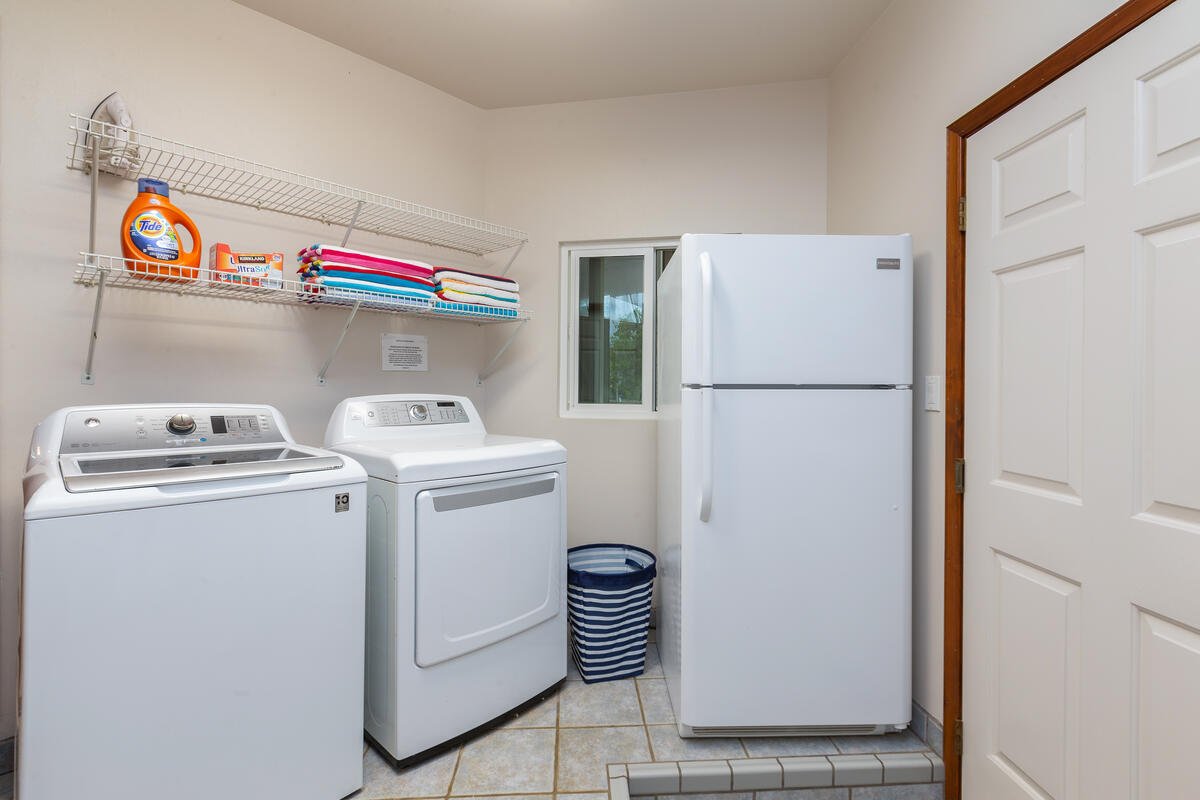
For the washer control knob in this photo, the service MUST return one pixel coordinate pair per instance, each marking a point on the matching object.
(418, 412)
(181, 424)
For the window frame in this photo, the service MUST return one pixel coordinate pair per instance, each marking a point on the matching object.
(569, 406)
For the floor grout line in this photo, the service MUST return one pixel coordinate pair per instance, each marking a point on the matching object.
(557, 736)
(454, 772)
(646, 723)
(498, 794)
(637, 690)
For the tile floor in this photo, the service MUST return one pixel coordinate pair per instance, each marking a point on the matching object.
(922, 791)
(562, 748)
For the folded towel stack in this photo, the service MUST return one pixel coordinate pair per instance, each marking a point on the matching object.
(349, 274)
(476, 292)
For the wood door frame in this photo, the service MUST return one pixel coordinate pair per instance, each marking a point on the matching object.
(1120, 22)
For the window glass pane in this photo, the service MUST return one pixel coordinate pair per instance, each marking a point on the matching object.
(611, 305)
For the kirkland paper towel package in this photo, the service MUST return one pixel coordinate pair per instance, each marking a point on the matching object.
(252, 269)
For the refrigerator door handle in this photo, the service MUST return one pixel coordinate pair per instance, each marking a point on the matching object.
(706, 320)
(706, 452)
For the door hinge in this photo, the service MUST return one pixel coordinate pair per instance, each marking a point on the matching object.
(962, 214)
(960, 475)
(958, 743)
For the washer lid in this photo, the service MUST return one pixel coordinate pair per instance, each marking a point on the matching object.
(106, 471)
(432, 459)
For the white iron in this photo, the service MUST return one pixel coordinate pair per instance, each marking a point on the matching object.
(112, 127)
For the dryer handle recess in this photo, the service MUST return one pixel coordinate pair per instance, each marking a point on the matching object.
(456, 499)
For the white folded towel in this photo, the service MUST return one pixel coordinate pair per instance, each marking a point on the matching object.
(475, 299)
(482, 280)
(477, 288)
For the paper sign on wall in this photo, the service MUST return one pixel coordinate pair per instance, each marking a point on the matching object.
(405, 353)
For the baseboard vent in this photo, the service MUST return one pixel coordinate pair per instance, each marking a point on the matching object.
(787, 730)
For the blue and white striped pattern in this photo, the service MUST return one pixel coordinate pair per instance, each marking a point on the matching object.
(608, 599)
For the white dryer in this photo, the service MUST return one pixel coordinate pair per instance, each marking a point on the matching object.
(466, 568)
(192, 608)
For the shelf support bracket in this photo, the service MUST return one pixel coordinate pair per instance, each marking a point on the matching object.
(353, 221)
(88, 378)
(512, 258)
(338, 345)
(490, 368)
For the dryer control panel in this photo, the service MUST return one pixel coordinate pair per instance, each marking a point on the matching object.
(414, 412)
(109, 429)
(378, 417)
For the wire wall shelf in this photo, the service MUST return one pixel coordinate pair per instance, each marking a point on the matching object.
(195, 170)
(101, 272)
(100, 147)
(123, 273)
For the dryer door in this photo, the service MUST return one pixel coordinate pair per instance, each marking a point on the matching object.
(488, 563)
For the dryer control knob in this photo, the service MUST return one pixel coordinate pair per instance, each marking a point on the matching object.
(418, 412)
(181, 424)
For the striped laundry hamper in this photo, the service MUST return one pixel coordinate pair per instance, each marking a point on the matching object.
(609, 587)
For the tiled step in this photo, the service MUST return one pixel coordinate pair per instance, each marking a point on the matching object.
(872, 776)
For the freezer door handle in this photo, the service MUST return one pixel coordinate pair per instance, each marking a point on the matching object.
(706, 320)
(706, 452)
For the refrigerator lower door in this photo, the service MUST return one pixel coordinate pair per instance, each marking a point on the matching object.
(794, 598)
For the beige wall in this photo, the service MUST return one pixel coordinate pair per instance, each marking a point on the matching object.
(750, 159)
(731, 160)
(923, 64)
(309, 106)
(734, 160)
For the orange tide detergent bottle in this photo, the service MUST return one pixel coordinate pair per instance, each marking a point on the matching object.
(148, 234)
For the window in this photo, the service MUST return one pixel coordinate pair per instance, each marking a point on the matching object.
(607, 364)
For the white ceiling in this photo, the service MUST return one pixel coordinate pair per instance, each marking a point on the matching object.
(500, 53)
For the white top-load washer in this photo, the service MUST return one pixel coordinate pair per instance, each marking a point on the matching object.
(192, 608)
(466, 567)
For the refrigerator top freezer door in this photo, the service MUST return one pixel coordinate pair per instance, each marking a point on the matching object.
(795, 310)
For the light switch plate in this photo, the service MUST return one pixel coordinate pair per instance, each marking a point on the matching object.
(933, 392)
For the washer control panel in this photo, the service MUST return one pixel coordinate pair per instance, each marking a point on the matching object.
(106, 430)
(414, 412)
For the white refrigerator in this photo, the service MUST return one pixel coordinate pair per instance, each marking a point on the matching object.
(785, 470)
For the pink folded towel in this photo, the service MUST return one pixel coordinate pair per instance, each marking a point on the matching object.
(397, 270)
(342, 255)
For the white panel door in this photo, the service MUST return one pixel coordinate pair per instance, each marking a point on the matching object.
(804, 563)
(796, 309)
(1082, 509)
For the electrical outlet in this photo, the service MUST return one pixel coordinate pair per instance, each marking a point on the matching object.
(933, 392)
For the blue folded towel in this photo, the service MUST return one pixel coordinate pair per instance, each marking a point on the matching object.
(366, 286)
(388, 280)
(472, 308)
